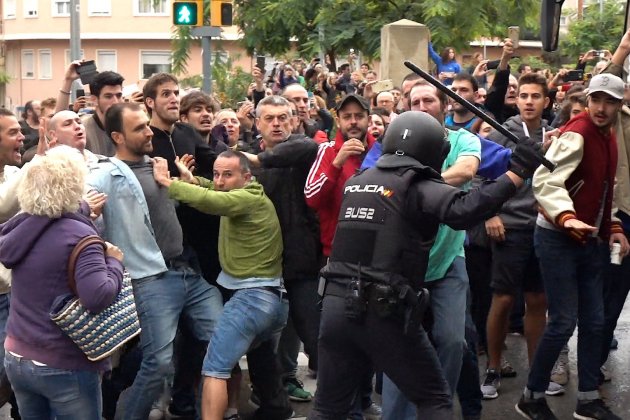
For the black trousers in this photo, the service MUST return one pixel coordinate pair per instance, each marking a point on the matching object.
(347, 349)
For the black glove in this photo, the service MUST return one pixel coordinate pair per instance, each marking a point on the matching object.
(219, 133)
(526, 158)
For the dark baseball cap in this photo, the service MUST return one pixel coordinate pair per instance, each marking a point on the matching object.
(353, 97)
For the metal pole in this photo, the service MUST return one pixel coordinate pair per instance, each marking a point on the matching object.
(75, 40)
(206, 65)
(206, 33)
(75, 30)
(320, 35)
(472, 108)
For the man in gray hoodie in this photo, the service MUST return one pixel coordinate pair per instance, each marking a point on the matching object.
(514, 263)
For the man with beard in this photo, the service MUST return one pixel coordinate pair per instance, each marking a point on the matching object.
(11, 139)
(142, 220)
(336, 162)
(30, 123)
(575, 225)
(465, 86)
(371, 286)
(106, 90)
(445, 276)
(284, 165)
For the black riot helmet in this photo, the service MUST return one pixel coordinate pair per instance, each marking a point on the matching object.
(414, 137)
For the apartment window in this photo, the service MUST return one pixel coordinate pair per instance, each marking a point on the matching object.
(68, 60)
(99, 7)
(152, 62)
(45, 64)
(61, 8)
(220, 57)
(151, 7)
(28, 64)
(9, 9)
(30, 8)
(563, 20)
(106, 60)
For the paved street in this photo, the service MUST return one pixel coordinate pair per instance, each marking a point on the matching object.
(617, 392)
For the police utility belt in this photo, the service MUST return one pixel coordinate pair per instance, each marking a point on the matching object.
(398, 303)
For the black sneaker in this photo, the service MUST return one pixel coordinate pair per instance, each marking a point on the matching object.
(534, 409)
(594, 410)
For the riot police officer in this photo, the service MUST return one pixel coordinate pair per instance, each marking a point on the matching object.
(373, 299)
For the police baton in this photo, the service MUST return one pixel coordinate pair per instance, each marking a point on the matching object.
(471, 107)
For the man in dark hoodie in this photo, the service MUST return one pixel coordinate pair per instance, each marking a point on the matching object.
(284, 165)
(514, 264)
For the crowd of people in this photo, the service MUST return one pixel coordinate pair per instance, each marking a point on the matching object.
(246, 233)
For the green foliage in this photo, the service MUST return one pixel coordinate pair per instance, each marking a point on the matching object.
(229, 83)
(181, 43)
(335, 26)
(598, 31)
(267, 25)
(4, 78)
(533, 61)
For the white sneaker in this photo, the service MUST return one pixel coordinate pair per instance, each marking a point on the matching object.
(490, 386)
(560, 372)
(554, 389)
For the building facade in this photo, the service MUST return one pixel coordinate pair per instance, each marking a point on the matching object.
(131, 37)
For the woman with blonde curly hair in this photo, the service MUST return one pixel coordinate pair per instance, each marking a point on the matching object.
(50, 375)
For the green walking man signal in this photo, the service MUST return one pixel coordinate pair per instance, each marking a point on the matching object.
(188, 13)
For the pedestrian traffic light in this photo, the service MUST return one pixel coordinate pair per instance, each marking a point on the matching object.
(188, 13)
(220, 13)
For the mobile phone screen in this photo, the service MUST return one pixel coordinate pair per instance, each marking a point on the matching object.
(260, 62)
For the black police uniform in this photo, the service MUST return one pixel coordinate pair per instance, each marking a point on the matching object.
(371, 302)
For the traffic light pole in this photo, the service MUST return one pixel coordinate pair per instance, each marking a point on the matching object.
(75, 42)
(206, 33)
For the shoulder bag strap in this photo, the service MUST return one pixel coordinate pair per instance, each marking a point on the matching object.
(74, 255)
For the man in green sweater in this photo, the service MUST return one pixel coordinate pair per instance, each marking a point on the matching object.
(250, 253)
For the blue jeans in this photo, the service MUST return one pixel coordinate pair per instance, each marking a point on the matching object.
(448, 305)
(44, 392)
(572, 278)
(5, 386)
(161, 301)
(250, 317)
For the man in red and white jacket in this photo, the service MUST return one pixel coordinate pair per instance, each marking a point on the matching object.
(336, 162)
(574, 226)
